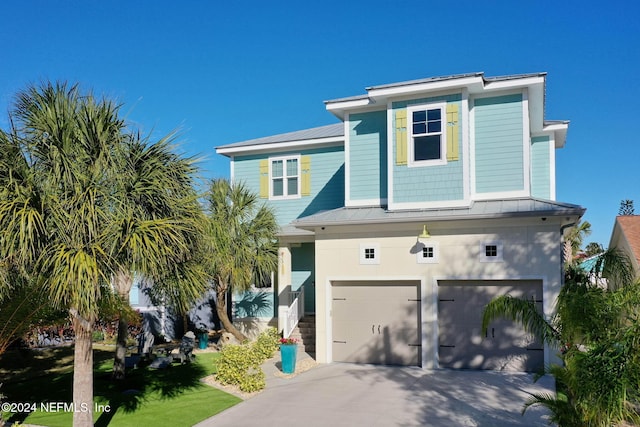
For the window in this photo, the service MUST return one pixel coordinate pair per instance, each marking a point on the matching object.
(369, 253)
(427, 254)
(491, 252)
(427, 129)
(285, 177)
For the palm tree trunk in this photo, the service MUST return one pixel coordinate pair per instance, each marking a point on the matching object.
(123, 282)
(118, 372)
(221, 310)
(82, 373)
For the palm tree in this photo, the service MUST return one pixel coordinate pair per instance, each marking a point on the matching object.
(74, 221)
(574, 240)
(158, 222)
(242, 236)
(598, 334)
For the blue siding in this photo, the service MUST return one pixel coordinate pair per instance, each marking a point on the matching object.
(327, 182)
(540, 167)
(429, 183)
(368, 155)
(498, 148)
(303, 274)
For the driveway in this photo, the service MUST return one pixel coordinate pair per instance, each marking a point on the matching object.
(341, 394)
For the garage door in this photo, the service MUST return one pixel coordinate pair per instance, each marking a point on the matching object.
(503, 346)
(376, 322)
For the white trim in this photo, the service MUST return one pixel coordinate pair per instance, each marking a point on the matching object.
(424, 311)
(347, 160)
(376, 253)
(289, 145)
(500, 195)
(232, 167)
(412, 89)
(499, 257)
(285, 186)
(442, 106)
(350, 103)
(552, 167)
(526, 142)
(391, 131)
(472, 148)
(514, 83)
(429, 205)
(365, 202)
(464, 107)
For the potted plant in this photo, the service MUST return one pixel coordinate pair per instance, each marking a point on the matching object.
(288, 352)
(203, 337)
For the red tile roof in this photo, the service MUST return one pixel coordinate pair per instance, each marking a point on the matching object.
(630, 226)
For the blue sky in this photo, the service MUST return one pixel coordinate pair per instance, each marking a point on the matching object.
(223, 72)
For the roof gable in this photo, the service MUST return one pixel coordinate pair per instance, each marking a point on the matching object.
(630, 229)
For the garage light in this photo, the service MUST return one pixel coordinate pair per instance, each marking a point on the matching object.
(425, 233)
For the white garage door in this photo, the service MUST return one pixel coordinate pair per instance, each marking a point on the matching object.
(376, 322)
(503, 346)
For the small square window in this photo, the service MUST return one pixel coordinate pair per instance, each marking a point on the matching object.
(491, 252)
(427, 254)
(369, 253)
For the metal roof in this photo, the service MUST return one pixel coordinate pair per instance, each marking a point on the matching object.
(328, 131)
(507, 208)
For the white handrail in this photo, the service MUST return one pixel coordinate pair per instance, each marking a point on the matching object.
(294, 313)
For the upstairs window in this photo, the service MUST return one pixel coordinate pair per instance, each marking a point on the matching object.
(427, 142)
(285, 177)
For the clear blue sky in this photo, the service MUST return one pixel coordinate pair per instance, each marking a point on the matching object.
(226, 71)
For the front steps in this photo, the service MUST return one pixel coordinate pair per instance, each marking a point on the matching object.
(305, 333)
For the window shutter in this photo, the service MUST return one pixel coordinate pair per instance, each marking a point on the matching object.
(264, 179)
(401, 137)
(305, 170)
(452, 132)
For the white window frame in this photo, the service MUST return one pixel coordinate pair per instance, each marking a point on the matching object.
(376, 253)
(499, 252)
(421, 259)
(285, 186)
(442, 106)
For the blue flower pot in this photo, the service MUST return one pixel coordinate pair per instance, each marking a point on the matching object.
(203, 340)
(288, 353)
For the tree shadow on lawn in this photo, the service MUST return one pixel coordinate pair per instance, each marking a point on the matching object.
(145, 384)
(51, 381)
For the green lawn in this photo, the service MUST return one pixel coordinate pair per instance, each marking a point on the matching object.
(173, 396)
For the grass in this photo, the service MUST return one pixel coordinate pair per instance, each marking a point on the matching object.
(173, 396)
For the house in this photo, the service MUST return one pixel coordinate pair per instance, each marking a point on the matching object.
(626, 238)
(401, 221)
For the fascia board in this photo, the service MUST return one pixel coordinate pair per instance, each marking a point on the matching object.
(339, 108)
(560, 132)
(279, 146)
(384, 93)
(515, 83)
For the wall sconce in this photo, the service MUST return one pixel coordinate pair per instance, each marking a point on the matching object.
(425, 233)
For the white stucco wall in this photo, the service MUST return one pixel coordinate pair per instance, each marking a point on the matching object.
(531, 250)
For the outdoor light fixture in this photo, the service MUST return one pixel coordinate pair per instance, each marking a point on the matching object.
(425, 233)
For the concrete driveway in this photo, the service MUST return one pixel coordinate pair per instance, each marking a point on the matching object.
(340, 394)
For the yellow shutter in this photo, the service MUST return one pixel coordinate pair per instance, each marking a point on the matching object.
(305, 169)
(401, 137)
(452, 132)
(264, 179)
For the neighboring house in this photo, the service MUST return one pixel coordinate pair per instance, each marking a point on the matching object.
(626, 238)
(400, 222)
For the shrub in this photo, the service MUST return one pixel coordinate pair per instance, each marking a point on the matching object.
(267, 343)
(240, 364)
